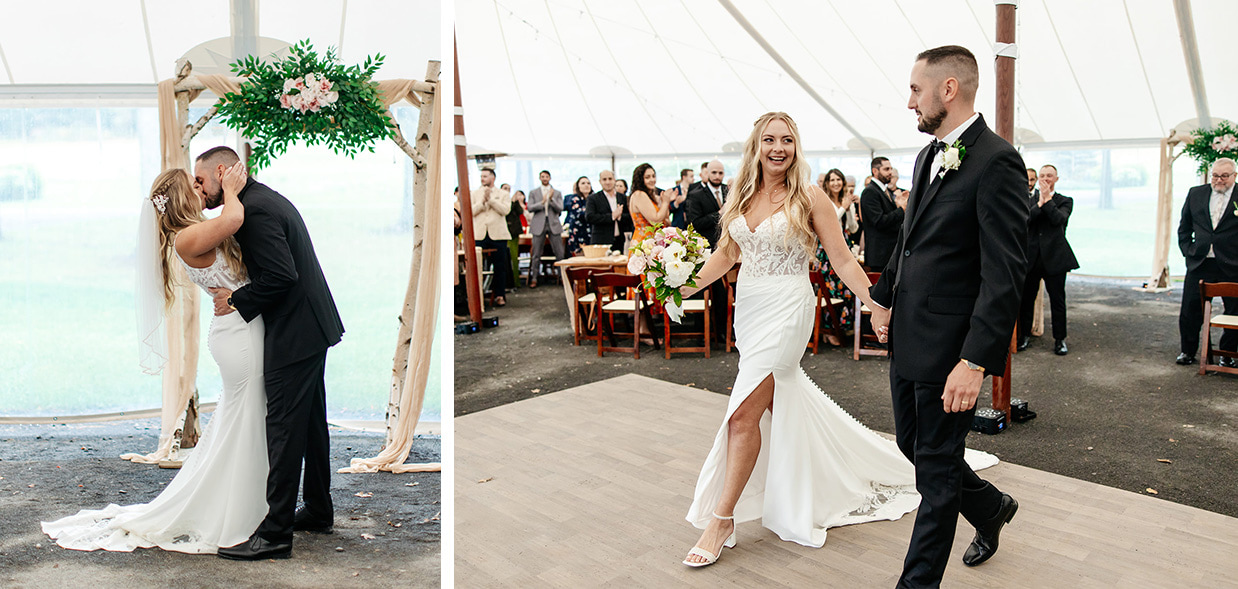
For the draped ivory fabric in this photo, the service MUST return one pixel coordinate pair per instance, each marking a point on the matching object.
(180, 373)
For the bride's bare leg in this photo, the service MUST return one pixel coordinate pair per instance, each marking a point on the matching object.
(743, 446)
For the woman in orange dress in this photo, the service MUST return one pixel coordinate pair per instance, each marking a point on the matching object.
(649, 206)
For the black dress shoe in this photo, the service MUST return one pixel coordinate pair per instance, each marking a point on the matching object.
(1059, 347)
(1185, 358)
(1228, 362)
(304, 521)
(984, 545)
(255, 548)
(1024, 342)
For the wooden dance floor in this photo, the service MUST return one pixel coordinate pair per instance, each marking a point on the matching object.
(588, 488)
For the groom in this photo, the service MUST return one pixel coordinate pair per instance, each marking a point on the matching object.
(953, 286)
(287, 288)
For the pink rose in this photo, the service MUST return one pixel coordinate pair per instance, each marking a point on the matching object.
(657, 249)
(285, 101)
(636, 265)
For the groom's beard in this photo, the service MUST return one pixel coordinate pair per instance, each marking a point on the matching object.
(214, 200)
(930, 121)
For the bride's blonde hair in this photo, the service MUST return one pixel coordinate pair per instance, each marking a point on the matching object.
(181, 208)
(750, 179)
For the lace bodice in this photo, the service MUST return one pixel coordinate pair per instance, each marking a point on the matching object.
(765, 251)
(217, 275)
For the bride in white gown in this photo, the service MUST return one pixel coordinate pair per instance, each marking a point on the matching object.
(219, 496)
(786, 453)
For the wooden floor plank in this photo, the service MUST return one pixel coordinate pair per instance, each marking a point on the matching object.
(588, 487)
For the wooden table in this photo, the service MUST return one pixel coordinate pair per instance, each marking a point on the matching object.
(617, 264)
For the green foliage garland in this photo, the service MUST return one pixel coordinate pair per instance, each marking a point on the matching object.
(1209, 145)
(352, 122)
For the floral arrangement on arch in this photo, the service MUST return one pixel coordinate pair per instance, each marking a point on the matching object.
(668, 260)
(309, 98)
(1209, 145)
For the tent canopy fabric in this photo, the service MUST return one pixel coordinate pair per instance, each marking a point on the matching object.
(84, 44)
(571, 77)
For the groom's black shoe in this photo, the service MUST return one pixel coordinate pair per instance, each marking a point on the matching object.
(255, 548)
(305, 522)
(984, 545)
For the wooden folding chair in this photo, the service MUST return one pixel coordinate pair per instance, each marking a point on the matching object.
(730, 278)
(606, 304)
(827, 305)
(583, 296)
(691, 306)
(866, 344)
(1208, 290)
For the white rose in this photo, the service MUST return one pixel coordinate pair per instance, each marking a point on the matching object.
(950, 160)
(674, 252)
(678, 272)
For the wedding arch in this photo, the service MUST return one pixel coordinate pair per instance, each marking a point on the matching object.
(411, 362)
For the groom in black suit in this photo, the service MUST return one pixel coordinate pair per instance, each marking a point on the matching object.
(288, 289)
(953, 288)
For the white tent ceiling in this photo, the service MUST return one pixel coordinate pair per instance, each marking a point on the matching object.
(563, 77)
(124, 48)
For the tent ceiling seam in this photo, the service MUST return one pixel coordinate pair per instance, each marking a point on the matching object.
(5, 60)
(914, 31)
(756, 36)
(575, 80)
(343, 17)
(860, 42)
(515, 80)
(1146, 80)
(1070, 66)
(813, 56)
(150, 46)
(675, 62)
(726, 60)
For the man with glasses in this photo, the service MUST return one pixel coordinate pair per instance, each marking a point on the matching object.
(1208, 238)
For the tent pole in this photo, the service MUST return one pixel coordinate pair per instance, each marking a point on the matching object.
(1004, 126)
(466, 204)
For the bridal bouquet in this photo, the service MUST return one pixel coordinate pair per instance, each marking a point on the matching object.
(668, 260)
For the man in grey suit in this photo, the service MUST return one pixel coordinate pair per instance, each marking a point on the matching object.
(545, 204)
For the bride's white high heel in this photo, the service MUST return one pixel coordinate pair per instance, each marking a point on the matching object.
(711, 558)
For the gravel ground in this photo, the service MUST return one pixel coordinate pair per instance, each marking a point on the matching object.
(1116, 411)
(49, 471)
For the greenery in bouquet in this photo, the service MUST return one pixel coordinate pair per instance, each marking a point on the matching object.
(669, 260)
(1210, 145)
(309, 98)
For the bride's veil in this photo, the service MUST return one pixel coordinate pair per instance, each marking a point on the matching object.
(152, 343)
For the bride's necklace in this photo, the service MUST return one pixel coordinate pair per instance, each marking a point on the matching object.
(771, 194)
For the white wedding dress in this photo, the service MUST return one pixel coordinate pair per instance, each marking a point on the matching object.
(818, 467)
(219, 496)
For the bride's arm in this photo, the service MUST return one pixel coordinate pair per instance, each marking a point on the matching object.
(202, 238)
(719, 263)
(825, 223)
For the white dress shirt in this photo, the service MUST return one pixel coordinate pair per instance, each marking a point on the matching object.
(949, 139)
(1219, 201)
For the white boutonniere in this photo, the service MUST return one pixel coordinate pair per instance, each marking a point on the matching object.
(1236, 209)
(952, 158)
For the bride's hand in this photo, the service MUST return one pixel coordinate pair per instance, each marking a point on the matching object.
(234, 179)
(881, 323)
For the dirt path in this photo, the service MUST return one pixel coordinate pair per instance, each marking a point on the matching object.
(1109, 412)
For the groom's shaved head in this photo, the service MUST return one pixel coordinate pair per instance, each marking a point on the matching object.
(952, 61)
(219, 155)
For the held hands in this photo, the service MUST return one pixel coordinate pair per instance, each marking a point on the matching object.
(221, 301)
(881, 323)
(962, 388)
(234, 179)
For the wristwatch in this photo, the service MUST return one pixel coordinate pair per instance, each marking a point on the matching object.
(230, 305)
(970, 365)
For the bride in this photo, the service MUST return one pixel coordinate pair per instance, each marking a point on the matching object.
(786, 453)
(218, 497)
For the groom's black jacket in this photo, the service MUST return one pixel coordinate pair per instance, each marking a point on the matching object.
(287, 287)
(955, 278)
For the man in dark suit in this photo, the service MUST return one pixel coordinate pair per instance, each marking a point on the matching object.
(288, 289)
(705, 200)
(1208, 238)
(607, 213)
(1049, 258)
(953, 290)
(882, 215)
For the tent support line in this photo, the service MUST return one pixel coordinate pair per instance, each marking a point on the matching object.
(786, 67)
(1190, 50)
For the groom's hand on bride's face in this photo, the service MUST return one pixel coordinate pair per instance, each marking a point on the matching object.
(221, 301)
(962, 388)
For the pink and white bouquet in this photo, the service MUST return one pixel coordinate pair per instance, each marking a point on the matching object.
(308, 93)
(1226, 142)
(669, 260)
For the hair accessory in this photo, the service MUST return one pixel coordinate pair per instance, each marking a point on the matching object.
(161, 201)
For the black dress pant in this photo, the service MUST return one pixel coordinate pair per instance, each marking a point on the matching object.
(1055, 287)
(296, 432)
(1191, 315)
(933, 441)
(500, 264)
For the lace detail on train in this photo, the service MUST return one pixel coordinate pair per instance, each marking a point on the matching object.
(765, 251)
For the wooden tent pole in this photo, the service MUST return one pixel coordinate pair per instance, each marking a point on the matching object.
(1005, 128)
(466, 207)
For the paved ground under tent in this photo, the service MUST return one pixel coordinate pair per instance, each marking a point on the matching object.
(49, 471)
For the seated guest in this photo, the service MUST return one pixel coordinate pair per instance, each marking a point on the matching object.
(607, 213)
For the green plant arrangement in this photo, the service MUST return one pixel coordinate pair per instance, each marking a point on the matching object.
(1209, 145)
(308, 98)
